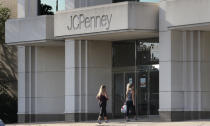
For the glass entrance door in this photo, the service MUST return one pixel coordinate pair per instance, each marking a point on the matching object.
(147, 91)
(142, 93)
(119, 91)
(146, 81)
(121, 79)
(136, 62)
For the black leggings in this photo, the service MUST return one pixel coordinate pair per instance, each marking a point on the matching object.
(131, 107)
(102, 110)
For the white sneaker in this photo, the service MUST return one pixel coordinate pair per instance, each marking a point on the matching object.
(99, 121)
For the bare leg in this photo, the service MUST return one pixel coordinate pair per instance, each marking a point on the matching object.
(105, 118)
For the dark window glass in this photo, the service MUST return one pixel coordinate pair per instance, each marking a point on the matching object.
(123, 53)
(147, 52)
(115, 1)
(49, 7)
(150, 0)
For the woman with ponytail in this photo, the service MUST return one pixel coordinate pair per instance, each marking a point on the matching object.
(102, 98)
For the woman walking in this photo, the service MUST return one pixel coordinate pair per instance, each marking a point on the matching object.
(130, 100)
(102, 98)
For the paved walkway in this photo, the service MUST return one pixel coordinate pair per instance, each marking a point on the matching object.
(122, 123)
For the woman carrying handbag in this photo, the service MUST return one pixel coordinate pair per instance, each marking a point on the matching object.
(130, 100)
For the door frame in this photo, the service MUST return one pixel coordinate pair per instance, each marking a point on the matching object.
(136, 83)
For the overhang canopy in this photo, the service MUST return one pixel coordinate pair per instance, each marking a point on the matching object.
(192, 27)
(39, 29)
(116, 21)
(110, 22)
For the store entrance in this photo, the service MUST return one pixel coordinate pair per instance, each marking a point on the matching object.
(144, 74)
(147, 91)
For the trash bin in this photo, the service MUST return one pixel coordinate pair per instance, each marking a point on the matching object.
(1, 123)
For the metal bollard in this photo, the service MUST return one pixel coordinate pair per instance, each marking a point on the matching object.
(1, 123)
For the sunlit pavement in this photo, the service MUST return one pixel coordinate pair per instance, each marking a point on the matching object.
(121, 123)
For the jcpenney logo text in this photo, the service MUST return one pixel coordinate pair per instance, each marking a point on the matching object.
(78, 22)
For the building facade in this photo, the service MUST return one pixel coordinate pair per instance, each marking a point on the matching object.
(162, 48)
(12, 5)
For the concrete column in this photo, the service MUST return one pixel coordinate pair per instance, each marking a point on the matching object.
(21, 83)
(26, 83)
(184, 66)
(41, 84)
(70, 81)
(71, 69)
(27, 8)
(171, 95)
(87, 66)
(203, 79)
(165, 65)
(49, 82)
(75, 80)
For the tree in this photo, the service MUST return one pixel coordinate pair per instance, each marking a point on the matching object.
(45, 9)
(8, 75)
(4, 15)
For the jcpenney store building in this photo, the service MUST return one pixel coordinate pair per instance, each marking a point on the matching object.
(162, 48)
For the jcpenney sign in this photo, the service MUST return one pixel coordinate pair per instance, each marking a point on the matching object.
(81, 21)
(95, 20)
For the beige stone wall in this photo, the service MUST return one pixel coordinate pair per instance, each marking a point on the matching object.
(12, 5)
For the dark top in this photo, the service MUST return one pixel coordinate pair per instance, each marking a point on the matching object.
(129, 96)
(102, 100)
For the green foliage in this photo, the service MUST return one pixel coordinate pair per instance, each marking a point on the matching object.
(8, 78)
(4, 15)
(8, 104)
(45, 9)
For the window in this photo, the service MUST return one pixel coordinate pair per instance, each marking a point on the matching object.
(150, 1)
(49, 7)
(115, 1)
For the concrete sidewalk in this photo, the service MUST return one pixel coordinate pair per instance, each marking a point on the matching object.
(121, 123)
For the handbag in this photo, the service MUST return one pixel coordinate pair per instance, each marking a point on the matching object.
(124, 109)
